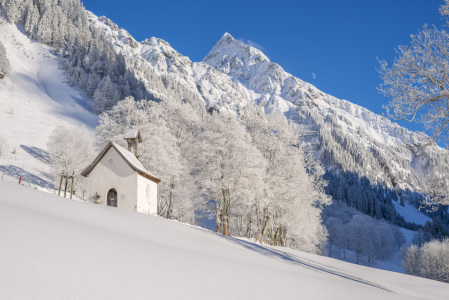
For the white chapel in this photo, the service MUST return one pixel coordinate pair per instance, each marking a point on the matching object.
(117, 178)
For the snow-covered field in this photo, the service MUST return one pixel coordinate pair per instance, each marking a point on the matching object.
(54, 248)
(34, 100)
(411, 213)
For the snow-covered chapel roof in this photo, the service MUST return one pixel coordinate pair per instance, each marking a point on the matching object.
(129, 157)
(133, 134)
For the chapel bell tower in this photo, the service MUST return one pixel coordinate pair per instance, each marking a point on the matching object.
(133, 138)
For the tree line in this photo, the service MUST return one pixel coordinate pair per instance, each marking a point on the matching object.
(431, 260)
(247, 171)
(349, 230)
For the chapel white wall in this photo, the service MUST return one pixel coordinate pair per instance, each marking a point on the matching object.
(146, 204)
(116, 175)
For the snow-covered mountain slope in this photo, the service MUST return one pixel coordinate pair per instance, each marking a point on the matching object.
(371, 145)
(54, 248)
(34, 100)
(411, 214)
(345, 136)
(168, 74)
(155, 54)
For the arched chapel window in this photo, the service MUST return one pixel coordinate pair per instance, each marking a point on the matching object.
(112, 198)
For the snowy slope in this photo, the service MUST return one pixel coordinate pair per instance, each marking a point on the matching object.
(411, 213)
(54, 248)
(34, 100)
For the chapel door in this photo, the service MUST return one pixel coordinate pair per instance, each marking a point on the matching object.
(112, 198)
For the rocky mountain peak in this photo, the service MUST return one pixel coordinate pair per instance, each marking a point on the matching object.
(232, 56)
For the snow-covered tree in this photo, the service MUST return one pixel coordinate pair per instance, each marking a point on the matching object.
(348, 229)
(410, 260)
(32, 19)
(106, 95)
(399, 237)
(335, 230)
(429, 261)
(4, 62)
(160, 154)
(44, 30)
(385, 241)
(359, 236)
(226, 166)
(3, 146)
(181, 123)
(417, 81)
(292, 193)
(71, 150)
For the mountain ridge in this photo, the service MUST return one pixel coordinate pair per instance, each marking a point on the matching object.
(279, 91)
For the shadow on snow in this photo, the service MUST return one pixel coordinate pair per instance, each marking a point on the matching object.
(37, 153)
(16, 172)
(289, 258)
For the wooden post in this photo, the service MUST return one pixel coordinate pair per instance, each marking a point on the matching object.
(71, 191)
(60, 184)
(65, 186)
(20, 179)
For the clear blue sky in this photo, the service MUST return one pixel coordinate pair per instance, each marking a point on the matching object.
(338, 41)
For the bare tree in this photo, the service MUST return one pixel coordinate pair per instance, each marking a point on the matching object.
(418, 82)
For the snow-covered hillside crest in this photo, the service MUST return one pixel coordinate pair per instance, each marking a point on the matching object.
(370, 145)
